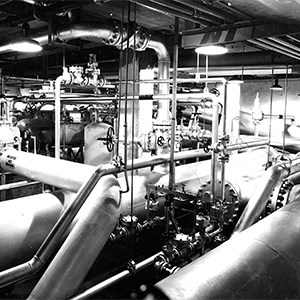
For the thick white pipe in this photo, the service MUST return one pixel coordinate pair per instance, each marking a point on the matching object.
(59, 173)
(25, 222)
(98, 218)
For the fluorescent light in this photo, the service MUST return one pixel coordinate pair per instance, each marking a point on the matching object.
(25, 44)
(211, 50)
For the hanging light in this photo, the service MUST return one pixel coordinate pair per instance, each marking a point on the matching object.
(211, 50)
(25, 43)
(276, 86)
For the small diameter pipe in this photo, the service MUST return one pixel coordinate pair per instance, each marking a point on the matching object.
(15, 185)
(65, 77)
(174, 108)
(116, 278)
(98, 217)
(259, 198)
(246, 145)
(214, 141)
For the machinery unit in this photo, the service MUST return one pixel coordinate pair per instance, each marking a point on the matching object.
(152, 180)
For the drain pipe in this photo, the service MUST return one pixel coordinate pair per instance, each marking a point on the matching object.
(258, 200)
(98, 218)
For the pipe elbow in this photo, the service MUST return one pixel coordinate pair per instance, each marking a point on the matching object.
(156, 44)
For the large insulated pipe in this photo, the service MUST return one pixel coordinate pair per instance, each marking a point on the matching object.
(31, 267)
(60, 173)
(191, 176)
(263, 262)
(69, 175)
(259, 199)
(25, 223)
(98, 218)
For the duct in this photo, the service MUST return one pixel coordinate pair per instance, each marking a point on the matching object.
(257, 202)
(98, 218)
(260, 263)
(25, 223)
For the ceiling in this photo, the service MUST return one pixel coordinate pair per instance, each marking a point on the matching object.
(263, 36)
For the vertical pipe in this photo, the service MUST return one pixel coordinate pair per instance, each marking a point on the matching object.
(69, 267)
(285, 107)
(3, 181)
(174, 108)
(222, 179)
(65, 77)
(214, 141)
(163, 74)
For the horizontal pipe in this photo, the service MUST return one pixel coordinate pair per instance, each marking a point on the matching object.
(246, 145)
(260, 263)
(31, 267)
(72, 175)
(190, 175)
(69, 177)
(116, 278)
(15, 185)
(98, 218)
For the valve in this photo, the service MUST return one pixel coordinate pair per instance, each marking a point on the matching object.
(109, 139)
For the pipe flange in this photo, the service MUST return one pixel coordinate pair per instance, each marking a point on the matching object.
(231, 204)
(115, 37)
(138, 41)
(278, 198)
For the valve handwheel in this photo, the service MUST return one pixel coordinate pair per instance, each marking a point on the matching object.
(110, 139)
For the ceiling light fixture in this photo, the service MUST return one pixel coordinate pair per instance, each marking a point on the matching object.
(276, 86)
(211, 50)
(25, 43)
